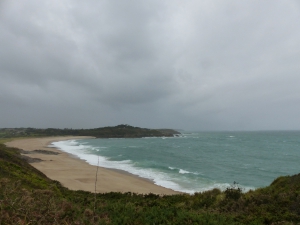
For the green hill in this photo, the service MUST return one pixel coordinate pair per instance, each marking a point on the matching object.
(27, 196)
(120, 131)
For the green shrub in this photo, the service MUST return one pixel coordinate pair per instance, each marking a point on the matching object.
(234, 192)
(27, 196)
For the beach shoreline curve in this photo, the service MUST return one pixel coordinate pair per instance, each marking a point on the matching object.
(77, 174)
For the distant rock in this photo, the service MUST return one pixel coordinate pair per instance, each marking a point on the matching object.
(39, 152)
(45, 152)
(29, 159)
(168, 132)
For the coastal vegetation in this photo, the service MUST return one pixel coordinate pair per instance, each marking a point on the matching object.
(120, 131)
(27, 196)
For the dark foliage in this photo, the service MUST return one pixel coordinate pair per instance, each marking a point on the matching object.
(120, 131)
(27, 196)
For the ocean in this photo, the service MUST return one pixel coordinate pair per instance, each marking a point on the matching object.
(197, 161)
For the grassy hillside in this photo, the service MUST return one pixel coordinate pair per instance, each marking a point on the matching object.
(120, 131)
(27, 196)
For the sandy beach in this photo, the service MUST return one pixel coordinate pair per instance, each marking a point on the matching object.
(77, 174)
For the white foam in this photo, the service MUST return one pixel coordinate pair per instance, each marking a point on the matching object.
(74, 148)
(159, 178)
(183, 171)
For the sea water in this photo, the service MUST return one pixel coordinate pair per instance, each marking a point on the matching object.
(197, 161)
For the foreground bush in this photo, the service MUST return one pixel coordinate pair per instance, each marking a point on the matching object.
(27, 196)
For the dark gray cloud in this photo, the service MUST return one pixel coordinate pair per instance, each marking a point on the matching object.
(192, 65)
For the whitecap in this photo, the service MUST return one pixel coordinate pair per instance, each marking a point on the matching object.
(168, 180)
(183, 171)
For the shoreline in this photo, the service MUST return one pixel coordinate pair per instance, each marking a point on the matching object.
(77, 174)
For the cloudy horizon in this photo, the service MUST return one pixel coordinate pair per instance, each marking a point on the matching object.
(193, 65)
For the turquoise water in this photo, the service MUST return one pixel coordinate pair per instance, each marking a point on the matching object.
(198, 161)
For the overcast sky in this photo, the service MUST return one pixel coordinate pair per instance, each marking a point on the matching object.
(194, 65)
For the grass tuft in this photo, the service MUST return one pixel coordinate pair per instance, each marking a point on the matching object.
(27, 196)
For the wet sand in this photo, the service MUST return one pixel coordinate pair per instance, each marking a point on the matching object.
(77, 174)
